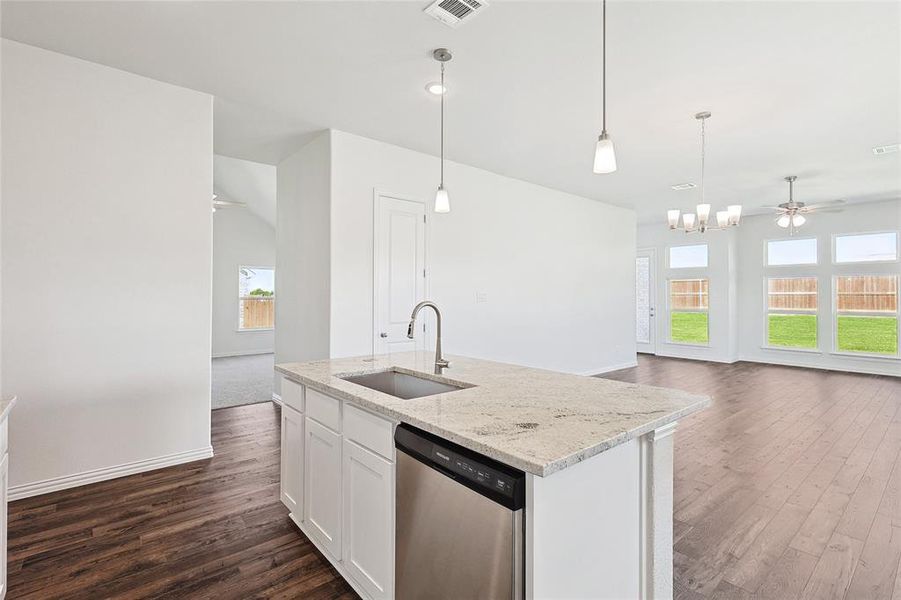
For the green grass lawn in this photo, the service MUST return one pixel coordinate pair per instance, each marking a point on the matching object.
(689, 328)
(878, 335)
(793, 331)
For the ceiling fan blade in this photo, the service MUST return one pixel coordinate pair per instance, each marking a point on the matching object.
(226, 203)
(826, 210)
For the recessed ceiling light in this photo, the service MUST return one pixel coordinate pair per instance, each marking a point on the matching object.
(683, 186)
(890, 149)
(436, 88)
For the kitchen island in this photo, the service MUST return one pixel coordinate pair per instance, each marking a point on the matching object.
(597, 454)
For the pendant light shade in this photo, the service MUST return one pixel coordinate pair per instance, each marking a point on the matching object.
(442, 200)
(784, 221)
(604, 153)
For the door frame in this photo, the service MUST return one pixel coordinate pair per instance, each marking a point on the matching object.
(377, 195)
(651, 347)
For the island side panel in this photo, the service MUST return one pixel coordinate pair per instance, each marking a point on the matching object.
(584, 528)
(657, 513)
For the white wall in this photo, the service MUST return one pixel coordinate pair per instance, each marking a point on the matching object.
(106, 235)
(558, 269)
(240, 238)
(737, 273)
(721, 248)
(302, 261)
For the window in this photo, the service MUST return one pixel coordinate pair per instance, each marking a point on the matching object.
(685, 257)
(866, 312)
(791, 252)
(792, 312)
(866, 247)
(688, 304)
(256, 298)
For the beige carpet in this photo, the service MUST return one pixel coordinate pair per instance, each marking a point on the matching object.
(239, 380)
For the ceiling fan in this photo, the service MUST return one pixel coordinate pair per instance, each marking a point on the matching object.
(791, 213)
(217, 204)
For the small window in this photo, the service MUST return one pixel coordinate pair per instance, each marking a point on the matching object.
(867, 314)
(866, 247)
(688, 304)
(256, 298)
(791, 252)
(685, 257)
(792, 312)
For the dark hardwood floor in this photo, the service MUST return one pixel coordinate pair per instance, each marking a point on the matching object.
(208, 529)
(789, 486)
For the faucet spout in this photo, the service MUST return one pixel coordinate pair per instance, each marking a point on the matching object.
(440, 362)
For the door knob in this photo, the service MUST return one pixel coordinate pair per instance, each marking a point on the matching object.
(383, 335)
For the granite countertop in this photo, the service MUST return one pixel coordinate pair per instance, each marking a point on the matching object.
(535, 420)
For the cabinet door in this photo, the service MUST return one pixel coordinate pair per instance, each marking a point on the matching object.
(292, 461)
(4, 521)
(322, 485)
(369, 520)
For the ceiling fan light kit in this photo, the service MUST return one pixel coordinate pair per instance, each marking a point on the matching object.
(699, 221)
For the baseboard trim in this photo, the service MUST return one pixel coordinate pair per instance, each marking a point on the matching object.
(851, 367)
(245, 353)
(277, 399)
(27, 490)
(610, 368)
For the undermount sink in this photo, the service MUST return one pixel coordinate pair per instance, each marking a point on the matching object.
(402, 385)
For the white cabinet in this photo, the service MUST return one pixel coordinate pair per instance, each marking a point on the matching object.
(369, 520)
(292, 461)
(322, 485)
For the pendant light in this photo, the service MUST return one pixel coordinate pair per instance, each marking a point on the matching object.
(442, 201)
(604, 154)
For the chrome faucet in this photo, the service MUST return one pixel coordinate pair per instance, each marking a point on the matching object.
(440, 363)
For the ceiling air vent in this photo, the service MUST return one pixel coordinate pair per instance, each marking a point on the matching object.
(683, 186)
(454, 12)
(891, 148)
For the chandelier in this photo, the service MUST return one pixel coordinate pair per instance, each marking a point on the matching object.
(699, 221)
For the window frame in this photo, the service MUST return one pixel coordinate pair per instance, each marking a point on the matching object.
(835, 315)
(669, 264)
(669, 311)
(238, 328)
(767, 312)
(766, 252)
(854, 264)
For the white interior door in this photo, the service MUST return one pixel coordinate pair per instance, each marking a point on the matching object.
(400, 273)
(645, 301)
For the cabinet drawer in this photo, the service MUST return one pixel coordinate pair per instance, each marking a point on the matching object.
(324, 409)
(292, 394)
(370, 431)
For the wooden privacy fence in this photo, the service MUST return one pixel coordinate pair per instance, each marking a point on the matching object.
(870, 293)
(688, 294)
(257, 312)
(859, 293)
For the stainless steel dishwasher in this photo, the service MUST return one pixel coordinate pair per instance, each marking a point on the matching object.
(459, 520)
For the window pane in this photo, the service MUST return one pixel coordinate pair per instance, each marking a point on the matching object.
(643, 299)
(867, 293)
(791, 252)
(867, 318)
(688, 303)
(689, 327)
(876, 335)
(867, 247)
(792, 331)
(794, 294)
(256, 298)
(683, 257)
(786, 298)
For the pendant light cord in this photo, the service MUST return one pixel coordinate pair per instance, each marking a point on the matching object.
(443, 93)
(604, 66)
(703, 147)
